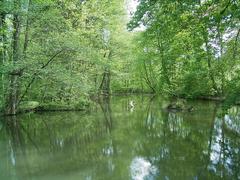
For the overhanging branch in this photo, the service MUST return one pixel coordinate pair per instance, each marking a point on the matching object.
(36, 73)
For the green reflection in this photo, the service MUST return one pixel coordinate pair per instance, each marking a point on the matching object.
(117, 141)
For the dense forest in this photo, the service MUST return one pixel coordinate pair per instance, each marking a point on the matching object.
(119, 89)
(58, 54)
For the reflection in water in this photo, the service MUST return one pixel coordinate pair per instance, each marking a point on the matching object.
(104, 102)
(225, 156)
(142, 169)
(115, 143)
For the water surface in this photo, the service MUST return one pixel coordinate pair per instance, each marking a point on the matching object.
(114, 141)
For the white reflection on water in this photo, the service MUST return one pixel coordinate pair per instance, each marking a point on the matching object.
(216, 145)
(13, 158)
(221, 150)
(232, 123)
(142, 169)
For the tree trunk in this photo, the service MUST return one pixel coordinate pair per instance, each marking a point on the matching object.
(26, 35)
(14, 86)
(3, 51)
(209, 63)
(163, 61)
(105, 84)
(147, 79)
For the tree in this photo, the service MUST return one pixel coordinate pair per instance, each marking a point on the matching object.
(185, 36)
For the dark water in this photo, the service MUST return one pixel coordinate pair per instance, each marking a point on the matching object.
(114, 141)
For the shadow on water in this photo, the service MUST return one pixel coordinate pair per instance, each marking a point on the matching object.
(118, 141)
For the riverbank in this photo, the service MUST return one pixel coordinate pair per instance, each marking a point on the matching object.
(84, 105)
(34, 106)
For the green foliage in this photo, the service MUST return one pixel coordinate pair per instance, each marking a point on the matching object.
(65, 49)
(64, 58)
(28, 105)
(188, 49)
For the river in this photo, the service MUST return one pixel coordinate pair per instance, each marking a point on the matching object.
(115, 141)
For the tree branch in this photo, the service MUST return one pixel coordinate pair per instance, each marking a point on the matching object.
(229, 2)
(235, 45)
(36, 73)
